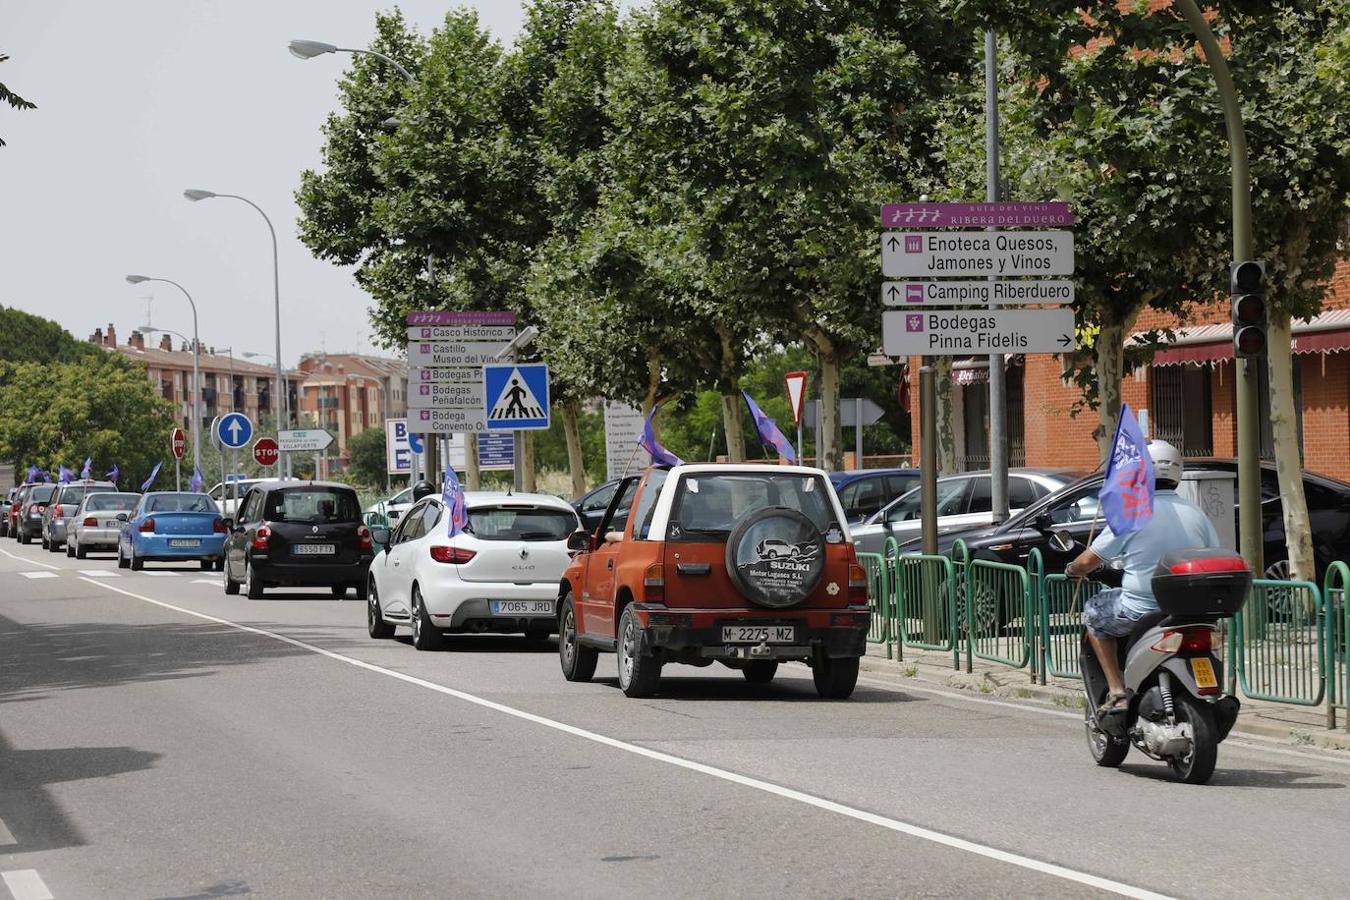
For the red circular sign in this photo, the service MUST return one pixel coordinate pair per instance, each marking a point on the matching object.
(178, 442)
(266, 452)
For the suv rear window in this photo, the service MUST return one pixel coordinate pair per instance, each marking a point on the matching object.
(499, 523)
(710, 504)
(312, 504)
(180, 503)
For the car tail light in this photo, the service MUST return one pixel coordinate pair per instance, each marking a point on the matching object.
(1186, 640)
(34, 509)
(654, 583)
(261, 537)
(452, 555)
(1203, 566)
(218, 526)
(147, 526)
(857, 583)
(90, 522)
(59, 511)
(363, 535)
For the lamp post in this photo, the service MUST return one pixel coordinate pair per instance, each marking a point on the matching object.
(310, 49)
(196, 367)
(194, 195)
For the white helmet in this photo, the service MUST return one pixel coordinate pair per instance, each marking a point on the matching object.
(1167, 462)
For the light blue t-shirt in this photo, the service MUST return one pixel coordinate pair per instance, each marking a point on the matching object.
(1177, 524)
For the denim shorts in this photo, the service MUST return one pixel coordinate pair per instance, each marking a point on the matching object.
(1105, 615)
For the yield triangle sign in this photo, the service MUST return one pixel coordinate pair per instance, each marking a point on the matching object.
(516, 399)
(796, 387)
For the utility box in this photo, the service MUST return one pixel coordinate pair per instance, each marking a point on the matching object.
(1215, 493)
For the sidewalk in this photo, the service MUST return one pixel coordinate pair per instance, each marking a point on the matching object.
(1297, 726)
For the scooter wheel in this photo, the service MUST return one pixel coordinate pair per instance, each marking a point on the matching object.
(1197, 766)
(1107, 751)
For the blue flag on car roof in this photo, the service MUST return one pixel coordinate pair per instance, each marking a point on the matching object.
(33, 473)
(1127, 491)
(660, 455)
(452, 495)
(64, 475)
(113, 473)
(87, 472)
(154, 473)
(195, 484)
(768, 431)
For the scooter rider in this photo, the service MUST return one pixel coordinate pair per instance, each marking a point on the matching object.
(1177, 524)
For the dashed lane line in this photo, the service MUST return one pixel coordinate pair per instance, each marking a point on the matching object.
(100, 573)
(160, 574)
(26, 884)
(36, 575)
(26, 561)
(6, 837)
(215, 582)
(895, 825)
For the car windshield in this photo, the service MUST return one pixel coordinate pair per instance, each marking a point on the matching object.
(312, 504)
(949, 497)
(41, 494)
(180, 503)
(111, 502)
(505, 523)
(711, 503)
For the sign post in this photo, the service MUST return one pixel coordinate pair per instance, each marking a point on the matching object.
(178, 446)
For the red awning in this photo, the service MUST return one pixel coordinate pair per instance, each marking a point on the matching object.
(1215, 342)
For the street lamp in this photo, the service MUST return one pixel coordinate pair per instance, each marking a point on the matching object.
(311, 49)
(195, 194)
(196, 367)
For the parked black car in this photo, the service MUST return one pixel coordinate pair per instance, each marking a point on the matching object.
(32, 504)
(1074, 507)
(298, 533)
(591, 505)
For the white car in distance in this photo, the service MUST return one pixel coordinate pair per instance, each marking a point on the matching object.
(500, 576)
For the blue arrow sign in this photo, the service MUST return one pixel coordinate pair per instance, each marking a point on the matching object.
(516, 396)
(414, 442)
(235, 430)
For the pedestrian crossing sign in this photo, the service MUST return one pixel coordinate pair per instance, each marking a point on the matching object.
(516, 396)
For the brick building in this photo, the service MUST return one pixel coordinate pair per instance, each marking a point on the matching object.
(346, 393)
(229, 384)
(1187, 389)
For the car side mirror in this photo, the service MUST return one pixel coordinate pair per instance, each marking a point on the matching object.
(228, 523)
(122, 517)
(580, 541)
(380, 536)
(1043, 523)
(1062, 541)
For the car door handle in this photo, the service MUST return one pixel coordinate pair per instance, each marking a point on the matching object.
(609, 564)
(396, 564)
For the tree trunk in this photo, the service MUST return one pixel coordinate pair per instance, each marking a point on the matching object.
(527, 479)
(1109, 359)
(572, 432)
(472, 478)
(653, 380)
(1288, 465)
(830, 438)
(946, 431)
(731, 395)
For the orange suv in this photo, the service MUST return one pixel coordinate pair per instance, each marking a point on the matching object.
(746, 565)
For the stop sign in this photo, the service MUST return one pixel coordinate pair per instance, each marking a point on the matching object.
(178, 443)
(266, 452)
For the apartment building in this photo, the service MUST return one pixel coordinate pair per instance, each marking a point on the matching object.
(346, 393)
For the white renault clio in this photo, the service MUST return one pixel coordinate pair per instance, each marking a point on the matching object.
(500, 576)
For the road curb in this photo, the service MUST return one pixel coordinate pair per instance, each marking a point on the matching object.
(1266, 722)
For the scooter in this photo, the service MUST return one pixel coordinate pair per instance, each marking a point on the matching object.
(1178, 712)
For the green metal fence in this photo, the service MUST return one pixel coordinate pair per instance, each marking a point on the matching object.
(1279, 644)
(1338, 653)
(879, 598)
(994, 601)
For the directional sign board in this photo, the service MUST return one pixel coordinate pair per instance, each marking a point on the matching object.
(848, 412)
(460, 317)
(966, 333)
(992, 253)
(446, 421)
(496, 452)
(975, 215)
(516, 396)
(310, 439)
(448, 388)
(976, 293)
(178, 443)
(461, 333)
(234, 430)
(454, 353)
(623, 427)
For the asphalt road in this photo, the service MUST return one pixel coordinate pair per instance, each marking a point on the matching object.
(159, 739)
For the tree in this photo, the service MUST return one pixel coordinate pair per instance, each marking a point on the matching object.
(12, 99)
(366, 460)
(25, 337)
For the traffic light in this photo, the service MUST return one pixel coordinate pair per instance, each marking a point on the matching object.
(1247, 285)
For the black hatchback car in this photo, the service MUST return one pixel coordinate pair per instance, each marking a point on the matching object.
(32, 504)
(298, 534)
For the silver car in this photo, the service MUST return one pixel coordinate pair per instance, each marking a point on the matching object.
(96, 524)
(963, 500)
(62, 506)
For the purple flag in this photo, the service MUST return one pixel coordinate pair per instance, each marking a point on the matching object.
(85, 473)
(113, 474)
(1127, 491)
(64, 475)
(195, 484)
(452, 495)
(154, 473)
(768, 431)
(660, 455)
(33, 473)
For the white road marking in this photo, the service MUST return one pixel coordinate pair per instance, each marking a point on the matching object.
(915, 831)
(100, 573)
(160, 574)
(38, 574)
(26, 884)
(33, 562)
(211, 581)
(6, 838)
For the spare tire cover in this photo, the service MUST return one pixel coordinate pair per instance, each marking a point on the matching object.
(776, 557)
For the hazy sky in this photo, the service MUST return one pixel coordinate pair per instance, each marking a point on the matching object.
(139, 99)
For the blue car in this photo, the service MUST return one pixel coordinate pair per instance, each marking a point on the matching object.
(167, 526)
(864, 491)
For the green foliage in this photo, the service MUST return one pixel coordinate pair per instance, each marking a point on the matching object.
(13, 100)
(25, 337)
(366, 463)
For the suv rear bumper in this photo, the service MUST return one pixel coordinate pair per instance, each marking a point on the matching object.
(836, 633)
